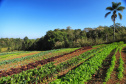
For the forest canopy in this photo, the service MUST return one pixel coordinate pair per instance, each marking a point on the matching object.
(64, 38)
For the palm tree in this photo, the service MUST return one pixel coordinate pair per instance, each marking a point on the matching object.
(115, 7)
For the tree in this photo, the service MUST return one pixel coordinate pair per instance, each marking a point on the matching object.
(87, 29)
(115, 7)
(68, 28)
(25, 43)
(117, 25)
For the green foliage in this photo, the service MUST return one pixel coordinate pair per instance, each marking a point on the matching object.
(24, 58)
(84, 72)
(111, 68)
(120, 68)
(66, 38)
(79, 75)
(48, 69)
(98, 45)
(121, 64)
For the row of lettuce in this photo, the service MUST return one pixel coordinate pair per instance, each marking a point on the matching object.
(38, 55)
(84, 72)
(43, 73)
(121, 64)
(27, 57)
(112, 66)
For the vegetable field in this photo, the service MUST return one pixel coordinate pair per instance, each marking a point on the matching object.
(100, 64)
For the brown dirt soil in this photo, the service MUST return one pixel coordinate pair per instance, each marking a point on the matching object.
(113, 79)
(12, 71)
(99, 76)
(69, 56)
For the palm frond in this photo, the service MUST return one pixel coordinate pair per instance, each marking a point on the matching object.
(120, 15)
(109, 8)
(114, 5)
(107, 14)
(118, 4)
(120, 8)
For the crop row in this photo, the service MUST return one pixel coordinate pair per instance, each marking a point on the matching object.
(111, 67)
(32, 65)
(84, 72)
(24, 58)
(16, 55)
(15, 52)
(39, 58)
(78, 59)
(32, 56)
(44, 72)
(121, 65)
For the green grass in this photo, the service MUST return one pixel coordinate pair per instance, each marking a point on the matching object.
(13, 55)
(66, 50)
(98, 45)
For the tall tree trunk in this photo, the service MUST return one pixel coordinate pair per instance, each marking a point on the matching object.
(114, 31)
(106, 38)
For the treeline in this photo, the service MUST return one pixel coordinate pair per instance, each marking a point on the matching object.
(11, 44)
(64, 38)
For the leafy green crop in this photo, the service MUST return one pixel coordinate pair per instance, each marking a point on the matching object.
(48, 70)
(27, 57)
(84, 72)
(111, 68)
(121, 64)
(77, 76)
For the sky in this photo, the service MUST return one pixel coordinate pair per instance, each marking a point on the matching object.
(33, 18)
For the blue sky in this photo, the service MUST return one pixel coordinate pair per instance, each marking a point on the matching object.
(33, 18)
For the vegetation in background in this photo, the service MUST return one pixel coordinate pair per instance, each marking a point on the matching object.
(66, 38)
